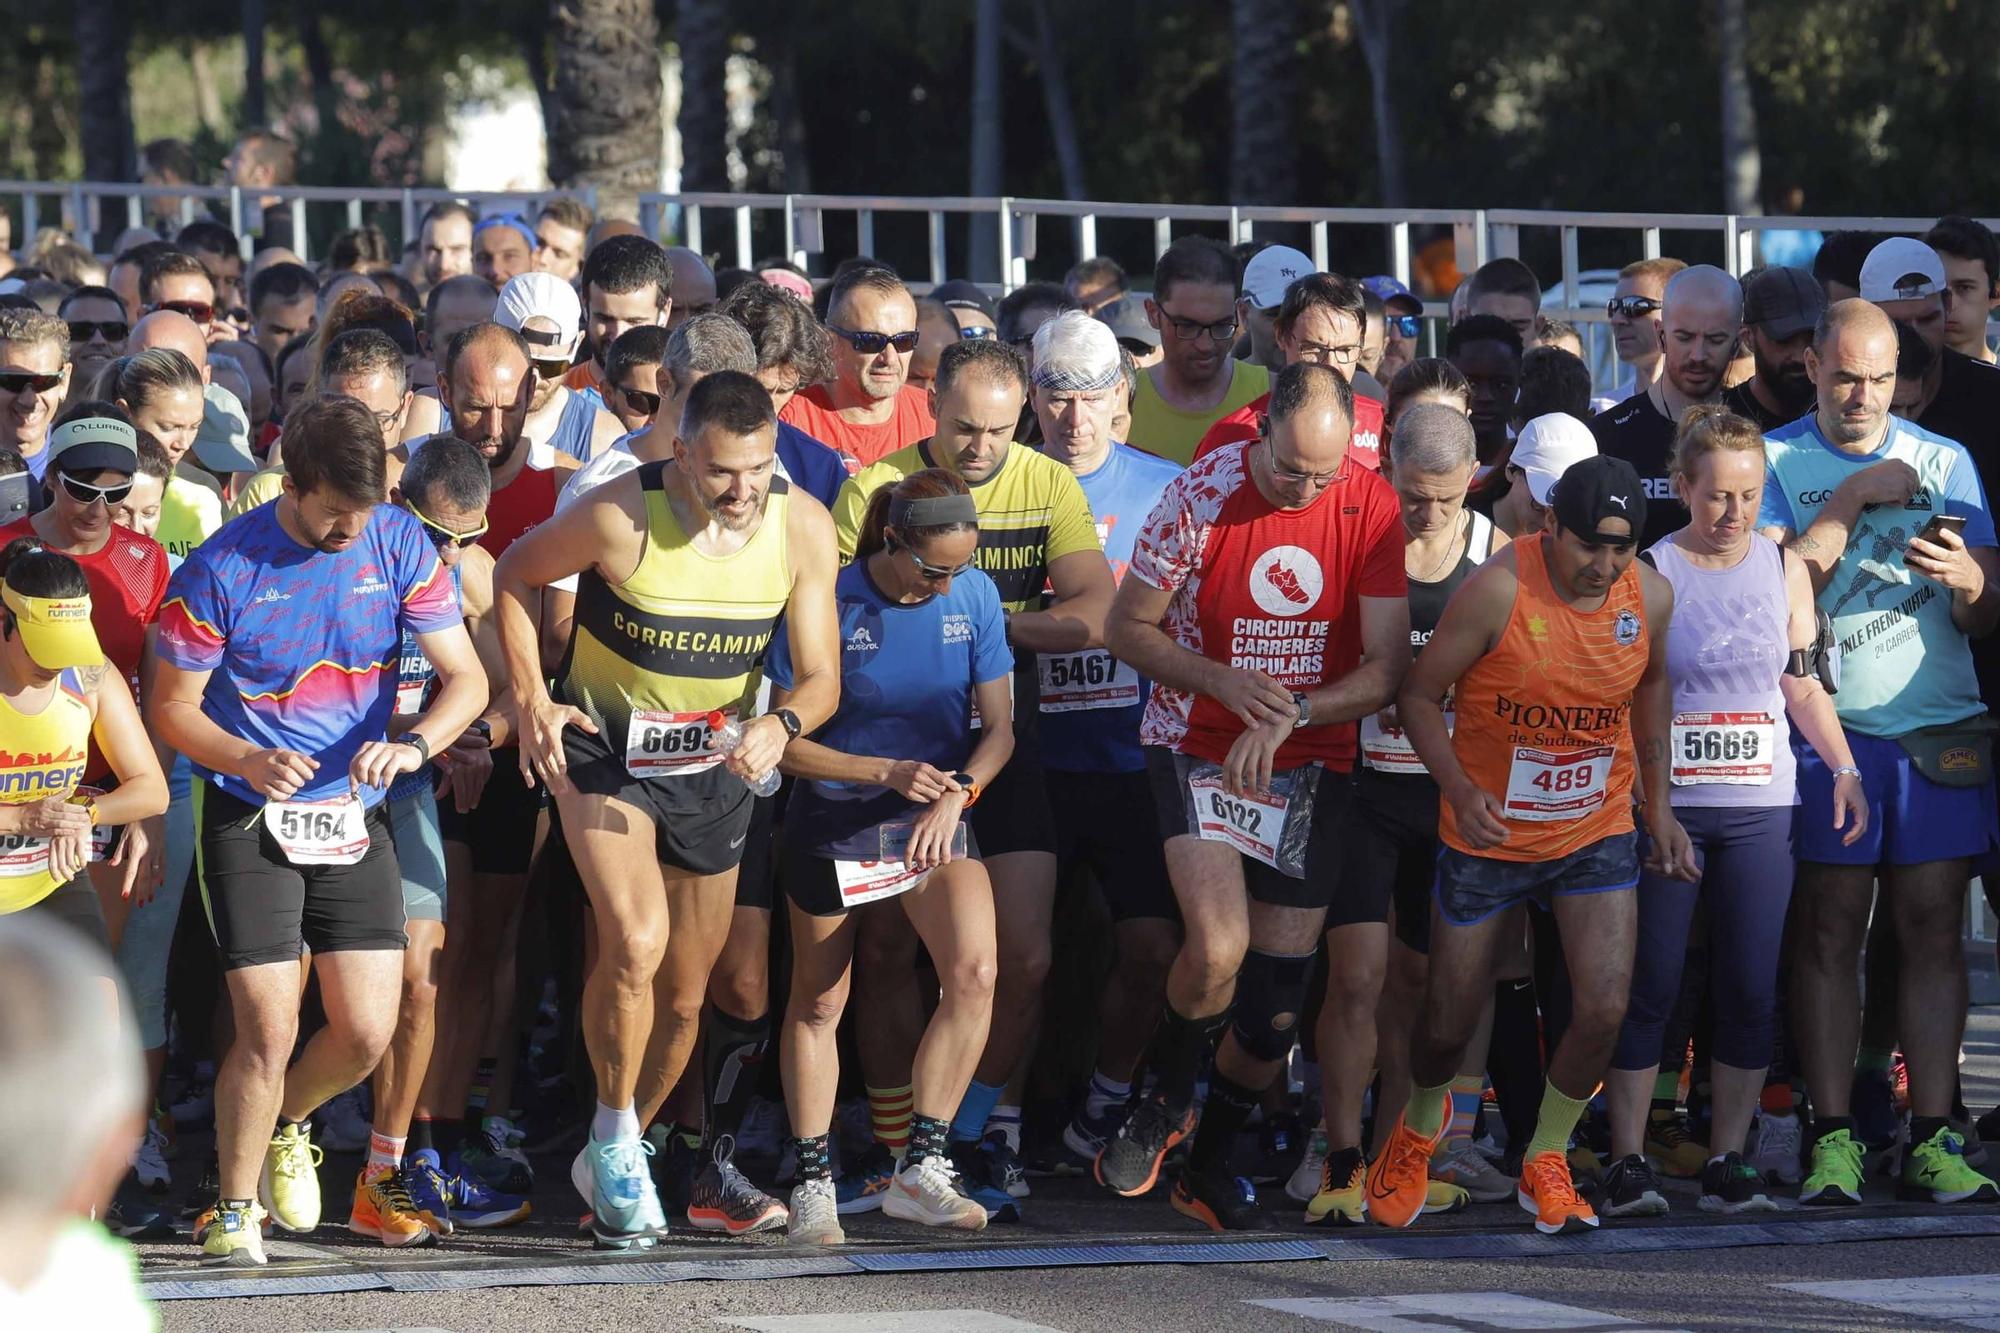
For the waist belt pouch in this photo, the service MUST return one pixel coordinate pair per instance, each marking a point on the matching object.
(1958, 754)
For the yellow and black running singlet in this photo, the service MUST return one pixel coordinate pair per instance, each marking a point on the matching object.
(685, 635)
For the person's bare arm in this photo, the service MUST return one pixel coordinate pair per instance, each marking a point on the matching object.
(1385, 660)
(1132, 632)
(1825, 539)
(813, 627)
(276, 773)
(1472, 623)
(1970, 573)
(1075, 620)
(121, 738)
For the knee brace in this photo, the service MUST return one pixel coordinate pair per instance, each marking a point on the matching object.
(1270, 990)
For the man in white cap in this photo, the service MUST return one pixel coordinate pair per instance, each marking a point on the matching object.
(1545, 449)
(543, 309)
(1265, 278)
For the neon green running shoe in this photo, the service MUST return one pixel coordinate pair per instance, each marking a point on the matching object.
(1835, 1177)
(289, 1188)
(1935, 1171)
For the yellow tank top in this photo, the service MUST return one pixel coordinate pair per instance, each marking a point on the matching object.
(687, 632)
(41, 755)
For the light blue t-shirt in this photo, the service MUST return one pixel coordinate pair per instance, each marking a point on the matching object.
(1903, 664)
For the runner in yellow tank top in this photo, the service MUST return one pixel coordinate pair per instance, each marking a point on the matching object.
(1556, 651)
(685, 569)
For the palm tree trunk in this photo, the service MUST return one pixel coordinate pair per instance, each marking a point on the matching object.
(1375, 24)
(1263, 147)
(253, 61)
(1742, 164)
(607, 98)
(103, 36)
(1055, 97)
(984, 232)
(703, 33)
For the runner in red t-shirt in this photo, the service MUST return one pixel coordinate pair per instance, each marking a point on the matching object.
(1266, 600)
(868, 410)
(1320, 322)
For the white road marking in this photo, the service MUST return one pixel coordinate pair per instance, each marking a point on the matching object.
(897, 1321)
(1972, 1300)
(1449, 1310)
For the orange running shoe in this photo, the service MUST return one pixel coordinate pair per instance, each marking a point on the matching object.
(1400, 1176)
(1548, 1191)
(382, 1209)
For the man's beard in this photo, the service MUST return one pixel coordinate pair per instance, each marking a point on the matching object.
(735, 522)
(1787, 384)
(500, 459)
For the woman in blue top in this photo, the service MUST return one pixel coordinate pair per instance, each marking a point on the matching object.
(878, 814)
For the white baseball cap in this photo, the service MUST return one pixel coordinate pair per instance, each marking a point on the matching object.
(1901, 269)
(1546, 448)
(552, 306)
(1270, 271)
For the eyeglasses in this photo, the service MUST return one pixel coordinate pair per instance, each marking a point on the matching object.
(1632, 307)
(27, 381)
(384, 420)
(84, 493)
(967, 331)
(936, 573)
(1403, 326)
(1187, 330)
(1321, 354)
(646, 404)
(83, 330)
(871, 344)
(1283, 473)
(201, 312)
(443, 537)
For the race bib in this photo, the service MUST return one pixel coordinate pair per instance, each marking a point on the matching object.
(1271, 827)
(22, 855)
(868, 881)
(1388, 749)
(1075, 682)
(319, 833)
(1549, 786)
(1732, 749)
(976, 721)
(669, 745)
(410, 697)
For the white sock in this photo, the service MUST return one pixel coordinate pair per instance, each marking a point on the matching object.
(611, 1123)
(1006, 1122)
(1103, 1094)
(384, 1153)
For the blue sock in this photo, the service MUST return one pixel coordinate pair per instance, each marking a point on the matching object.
(970, 1122)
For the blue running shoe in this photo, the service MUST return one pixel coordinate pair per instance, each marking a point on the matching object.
(491, 1157)
(429, 1189)
(860, 1188)
(625, 1207)
(474, 1204)
(1000, 1206)
(1083, 1138)
(1003, 1165)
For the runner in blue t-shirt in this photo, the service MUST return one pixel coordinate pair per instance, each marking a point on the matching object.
(278, 651)
(878, 814)
(1091, 704)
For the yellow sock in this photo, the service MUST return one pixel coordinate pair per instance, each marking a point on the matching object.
(1557, 1121)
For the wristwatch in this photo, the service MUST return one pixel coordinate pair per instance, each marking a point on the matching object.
(1304, 705)
(483, 727)
(971, 786)
(89, 804)
(416, 741)
(789, 721)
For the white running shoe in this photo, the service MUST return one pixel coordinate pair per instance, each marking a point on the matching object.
(1775, 1143)
(1304, 1183)
(149, 1161)
(929, 1192)
(814, 1218)
(1466, 1168)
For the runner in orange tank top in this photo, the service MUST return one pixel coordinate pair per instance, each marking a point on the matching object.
(1556, 652)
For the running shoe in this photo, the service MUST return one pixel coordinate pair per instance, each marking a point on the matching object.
(1548, 1191)
(1835, 1177)
(1305, 1185)
(723, 1199)
(1872, 1105)
(477, 1205)
(1975, 1147)
(384, 1210)
(1441, 1196)
(1341, 1194)
(1083, 1138)
(231, 1237)
(928, 1192)
(860, 1188)
(1899, 1083)
(1003, 1165)
(494, 1160)
(134, 1216)
(343, 1122)
(289, 1186)
(149, 1160)
(624, 1206)
(1466, 1168)
(206, 1191)
(1399, 1177)
(1935, 1171)
(1731, 1185)
(1584, 1163)
(429, 1190)
(196, 1104)
(676, 1160)
(1218, 1200)
(1130, 1162)
(814, 1217)
(1631, 1188)
(1775, 1141)
(1671, 1143)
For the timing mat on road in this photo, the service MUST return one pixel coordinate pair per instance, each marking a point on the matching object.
(303, 1270)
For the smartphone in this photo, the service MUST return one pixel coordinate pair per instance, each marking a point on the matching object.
(1939, 522)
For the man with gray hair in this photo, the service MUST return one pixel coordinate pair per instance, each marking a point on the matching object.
(72, 1108)
(1091, 705)
(1701, 324)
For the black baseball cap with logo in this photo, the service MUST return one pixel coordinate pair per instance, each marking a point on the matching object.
(1595, 489)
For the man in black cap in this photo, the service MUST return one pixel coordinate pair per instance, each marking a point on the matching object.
(1781, 306)
(1134, 332)
(969, 305)
(1555, 652)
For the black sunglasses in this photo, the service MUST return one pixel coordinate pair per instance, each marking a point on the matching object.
(1632, 307)
(201, 312)
(871, 344)
(83, 330)
(647, 404)
(1403, 326)
(27, 381)
(84, 493)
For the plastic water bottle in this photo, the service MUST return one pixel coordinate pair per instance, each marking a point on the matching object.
(728, 735)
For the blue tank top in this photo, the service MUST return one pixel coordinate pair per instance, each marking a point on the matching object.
(575, 427)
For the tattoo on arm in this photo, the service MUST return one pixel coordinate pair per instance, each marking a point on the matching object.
(1805, 544)
(92, 676)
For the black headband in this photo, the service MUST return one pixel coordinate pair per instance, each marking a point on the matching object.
(935, 511)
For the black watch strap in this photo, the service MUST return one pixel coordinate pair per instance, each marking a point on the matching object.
(789, 721)
(423, 747)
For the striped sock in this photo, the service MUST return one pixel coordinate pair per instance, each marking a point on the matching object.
(1465, 1093)
(384, 1153)
(482, 1086)
(1006, 1122)
(889, 1115)
(1103, 1094)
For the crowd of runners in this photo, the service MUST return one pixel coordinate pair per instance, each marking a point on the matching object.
(777, 748)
